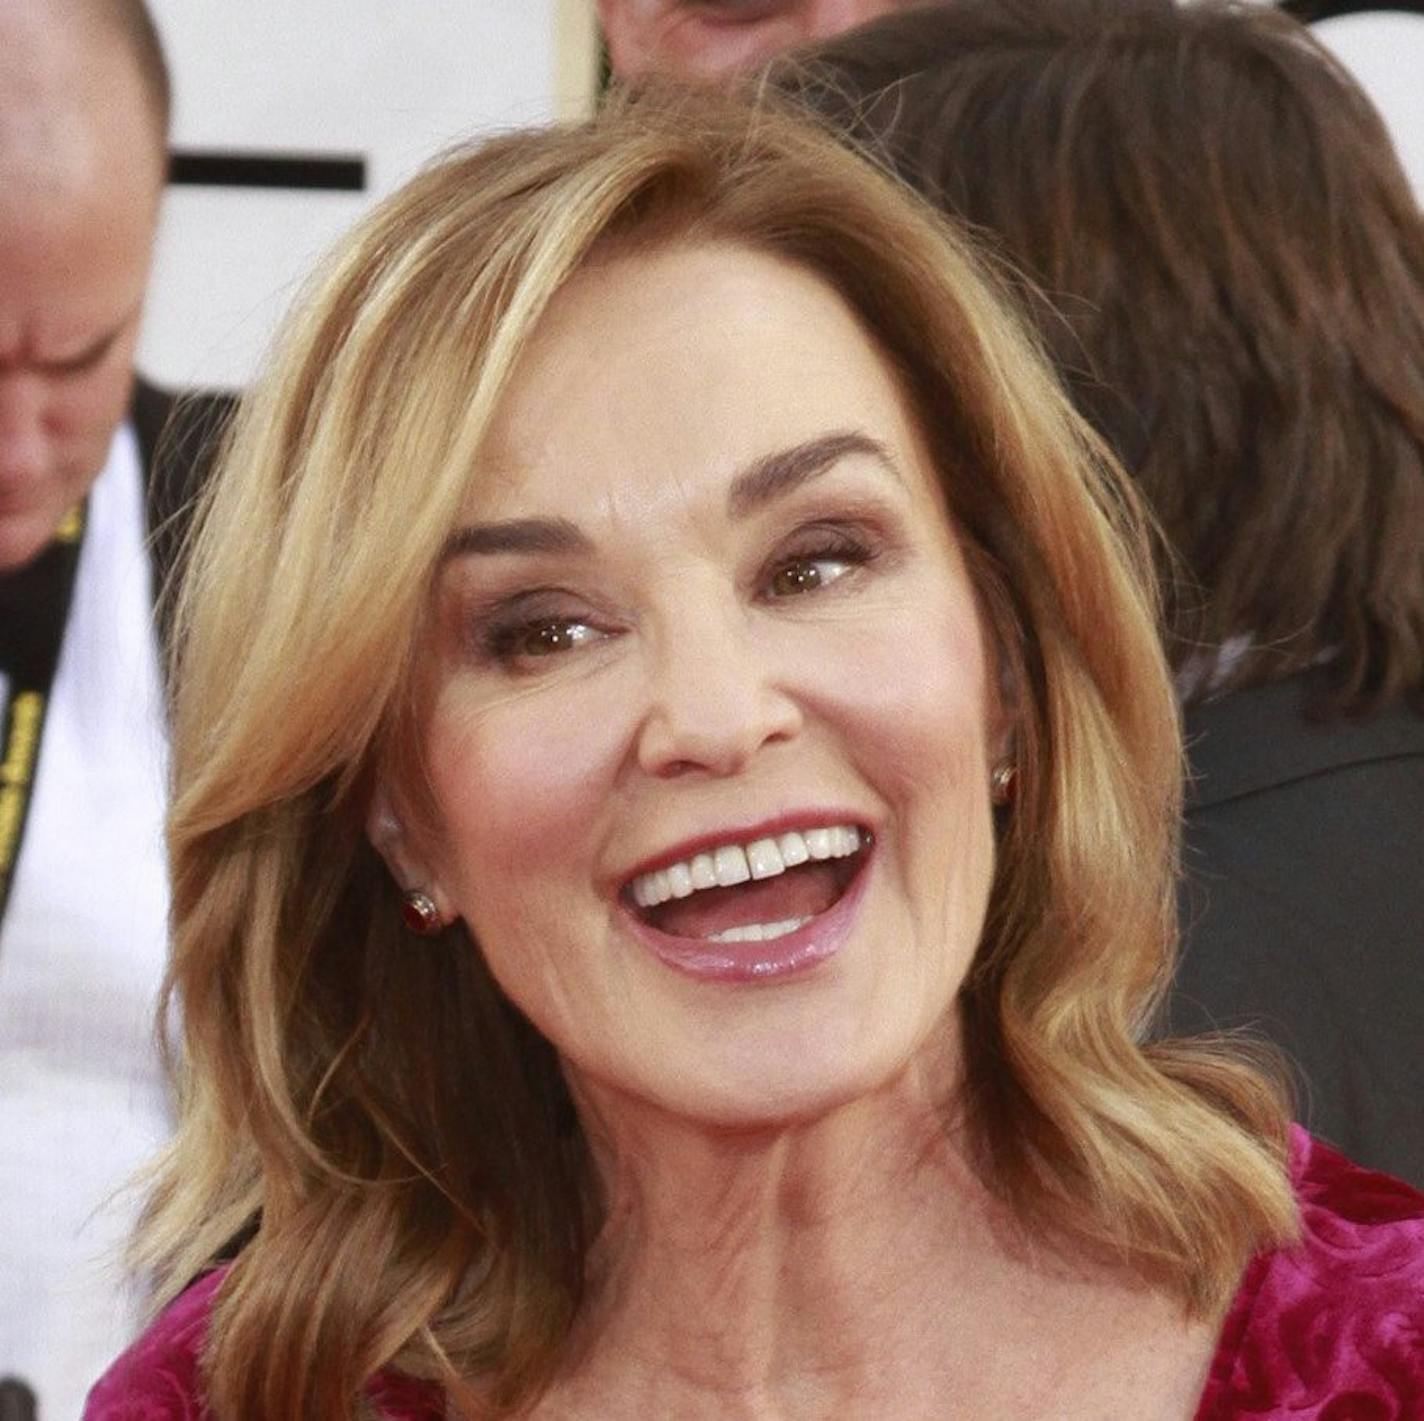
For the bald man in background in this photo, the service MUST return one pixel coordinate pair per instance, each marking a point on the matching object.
(708, 40)
(84, 482)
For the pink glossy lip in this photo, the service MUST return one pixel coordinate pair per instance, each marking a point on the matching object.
(794, 953)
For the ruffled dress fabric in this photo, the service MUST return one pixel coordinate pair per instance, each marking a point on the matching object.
(1330, 1331)
(1334, 1330)
(160, 1377)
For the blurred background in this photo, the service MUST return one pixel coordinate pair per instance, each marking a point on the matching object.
(291, 116)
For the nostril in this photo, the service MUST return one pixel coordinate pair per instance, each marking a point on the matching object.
(678, 768)
(706, 728)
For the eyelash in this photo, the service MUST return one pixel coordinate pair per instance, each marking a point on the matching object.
(823, 545)
(505, 640)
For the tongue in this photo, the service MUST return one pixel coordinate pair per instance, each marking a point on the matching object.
(798, 893)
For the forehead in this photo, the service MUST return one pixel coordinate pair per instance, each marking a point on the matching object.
(75, 107)
(70, 271)
(80, 177)
(655, 376)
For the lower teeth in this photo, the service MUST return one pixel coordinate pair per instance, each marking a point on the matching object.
(758, 932)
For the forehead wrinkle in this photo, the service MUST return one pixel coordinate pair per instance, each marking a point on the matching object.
(647, 523)
(616, 392)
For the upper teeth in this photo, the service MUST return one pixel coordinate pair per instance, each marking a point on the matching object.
(730, 864)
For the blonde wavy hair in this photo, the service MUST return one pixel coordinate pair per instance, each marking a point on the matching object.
(392, 1137)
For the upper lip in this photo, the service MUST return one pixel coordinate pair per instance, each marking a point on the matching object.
(745, 833)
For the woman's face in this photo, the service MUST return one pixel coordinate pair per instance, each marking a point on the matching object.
(712, 720)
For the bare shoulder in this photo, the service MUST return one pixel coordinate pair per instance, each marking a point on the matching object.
(159, 1377)
(1128, 1351)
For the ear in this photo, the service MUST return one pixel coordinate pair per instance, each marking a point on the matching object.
(385, 828)
(1002, 711)
(1003, 744)
(628, 27)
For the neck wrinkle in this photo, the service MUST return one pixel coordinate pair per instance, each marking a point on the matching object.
(732, 1261)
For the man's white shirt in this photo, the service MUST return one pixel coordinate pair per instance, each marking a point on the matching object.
(82, 954)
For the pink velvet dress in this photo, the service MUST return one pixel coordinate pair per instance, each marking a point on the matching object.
(1330, 1331)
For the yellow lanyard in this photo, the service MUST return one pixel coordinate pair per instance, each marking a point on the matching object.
(29, 655)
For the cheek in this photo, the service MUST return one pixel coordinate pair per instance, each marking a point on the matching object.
(520, 788)
(908, 688)
(911, 712)
(88, 410)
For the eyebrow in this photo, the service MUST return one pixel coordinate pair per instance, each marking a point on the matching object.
(518, 535)
(775, 475)
(92, 353)
(765, 480)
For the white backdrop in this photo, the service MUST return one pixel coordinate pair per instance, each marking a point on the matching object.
(1384, 50)
(393, 82)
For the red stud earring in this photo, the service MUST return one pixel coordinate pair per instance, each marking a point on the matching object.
(1004, 783)
(419, 913)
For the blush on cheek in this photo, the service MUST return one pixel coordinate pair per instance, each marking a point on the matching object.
(919, 702)
(519, 786)
(925, 695)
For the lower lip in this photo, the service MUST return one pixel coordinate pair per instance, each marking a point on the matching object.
(793, 953)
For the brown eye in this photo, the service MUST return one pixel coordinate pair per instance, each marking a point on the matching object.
(549, 637)
(816, 568)
(521, 640)
(803, 575)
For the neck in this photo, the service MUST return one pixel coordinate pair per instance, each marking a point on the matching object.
(735, 1264)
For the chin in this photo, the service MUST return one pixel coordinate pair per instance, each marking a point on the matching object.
(777, 1074)
(22, 539)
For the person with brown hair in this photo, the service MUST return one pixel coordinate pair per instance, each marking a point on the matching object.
(673, 846)
(1227, 266)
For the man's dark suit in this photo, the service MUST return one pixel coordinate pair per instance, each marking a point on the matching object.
(72, 1053)
(177, 439)
(1303, 906)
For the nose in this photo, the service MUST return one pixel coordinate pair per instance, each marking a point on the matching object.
(21, 427)
(714, 700)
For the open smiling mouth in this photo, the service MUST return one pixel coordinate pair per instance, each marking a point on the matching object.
(755, 909)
